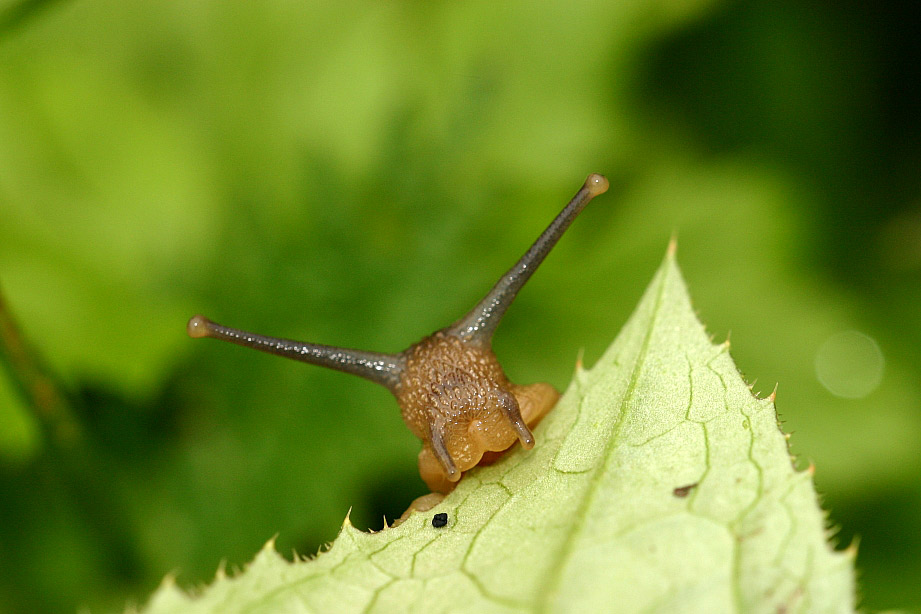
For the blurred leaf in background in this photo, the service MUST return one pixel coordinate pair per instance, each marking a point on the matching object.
(359, 174)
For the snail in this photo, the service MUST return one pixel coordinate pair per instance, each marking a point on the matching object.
(452, 392)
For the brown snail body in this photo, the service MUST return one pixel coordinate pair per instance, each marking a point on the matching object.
(457, 399)
(452, 392)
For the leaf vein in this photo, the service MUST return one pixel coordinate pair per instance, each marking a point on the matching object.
(554, 575)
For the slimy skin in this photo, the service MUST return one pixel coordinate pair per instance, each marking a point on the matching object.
(456, 398)
(452, 392)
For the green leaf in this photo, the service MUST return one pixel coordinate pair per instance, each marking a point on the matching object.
(659, 483)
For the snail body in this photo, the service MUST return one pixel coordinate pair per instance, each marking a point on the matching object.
(451, 389)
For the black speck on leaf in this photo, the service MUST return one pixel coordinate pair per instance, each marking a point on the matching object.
(683, 491)
(439, 520)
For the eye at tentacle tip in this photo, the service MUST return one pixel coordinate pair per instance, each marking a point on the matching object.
(198, 326)
(596, 184)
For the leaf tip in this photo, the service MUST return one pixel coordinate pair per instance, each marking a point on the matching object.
(579, 372)
(672, 246)
(269, 546)
(853, 547)
(168, 582)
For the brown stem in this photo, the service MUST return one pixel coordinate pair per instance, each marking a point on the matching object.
(35, 383)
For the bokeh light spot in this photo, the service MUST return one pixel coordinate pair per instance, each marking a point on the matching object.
(849, 364)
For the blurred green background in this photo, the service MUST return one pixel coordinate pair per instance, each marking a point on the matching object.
(359, 173)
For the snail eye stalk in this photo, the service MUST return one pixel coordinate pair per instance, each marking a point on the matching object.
(383, 369)
(480, 323)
